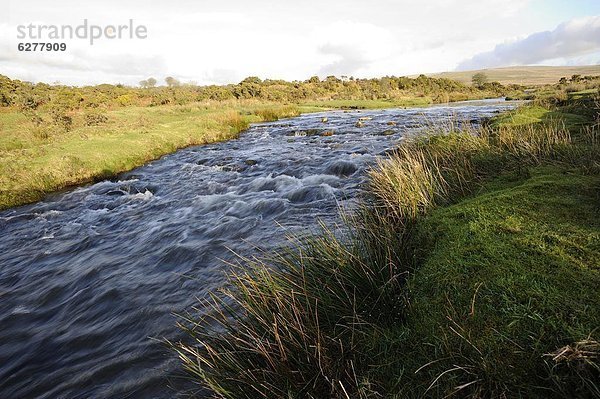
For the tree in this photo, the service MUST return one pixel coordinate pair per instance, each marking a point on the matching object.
(171, 81)
(150, 82)
(331, 83)
(479, 79)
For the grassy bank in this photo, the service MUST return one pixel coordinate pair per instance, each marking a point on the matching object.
(505, 280)
(470, 270)
(36, 159)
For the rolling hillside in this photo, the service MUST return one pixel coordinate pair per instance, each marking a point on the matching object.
(525, 75)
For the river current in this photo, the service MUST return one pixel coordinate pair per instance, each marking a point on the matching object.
(90, 278)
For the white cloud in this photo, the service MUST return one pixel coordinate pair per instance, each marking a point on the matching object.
(225, 41)
(351, 48)
(570, 39)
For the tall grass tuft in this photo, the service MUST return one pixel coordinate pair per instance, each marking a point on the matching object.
(297, 324)
(575, 369)
(233, 119)
(429, 170)
(275, 113)
(408, 184)
(439, 167)
(530, 143)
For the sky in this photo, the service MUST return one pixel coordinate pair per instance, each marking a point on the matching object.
(220, 42)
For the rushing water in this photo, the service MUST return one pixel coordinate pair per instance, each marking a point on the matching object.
(88, 277)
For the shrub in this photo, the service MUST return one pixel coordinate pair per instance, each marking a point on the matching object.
(95, 118)
(479, 79)
(61, 118)
(161, 98)
(124, 100)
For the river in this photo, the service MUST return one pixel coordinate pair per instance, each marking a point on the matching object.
(90, 278)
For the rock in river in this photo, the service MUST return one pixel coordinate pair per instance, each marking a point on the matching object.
(341, 168)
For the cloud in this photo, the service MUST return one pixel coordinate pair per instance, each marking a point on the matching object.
(81, 67)
(222, 76)
(119, 64)
(570, 39)
(351, 47)
(225, 41)
(348, 60)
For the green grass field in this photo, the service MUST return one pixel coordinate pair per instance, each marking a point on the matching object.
(505, 278)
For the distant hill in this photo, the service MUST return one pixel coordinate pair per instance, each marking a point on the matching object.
(525, 75)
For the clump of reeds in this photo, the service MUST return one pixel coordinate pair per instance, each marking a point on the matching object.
(427, 171)
(236, 122)
(439, 167)
(296, 324)
(575, 369)
(530, 143)
(408, 184)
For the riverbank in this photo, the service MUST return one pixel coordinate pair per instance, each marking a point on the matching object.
(54, 137)
(37, 160)
(119, 257)
(471, 270)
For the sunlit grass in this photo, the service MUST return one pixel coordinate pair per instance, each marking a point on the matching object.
(35, 160)
(469, 269)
